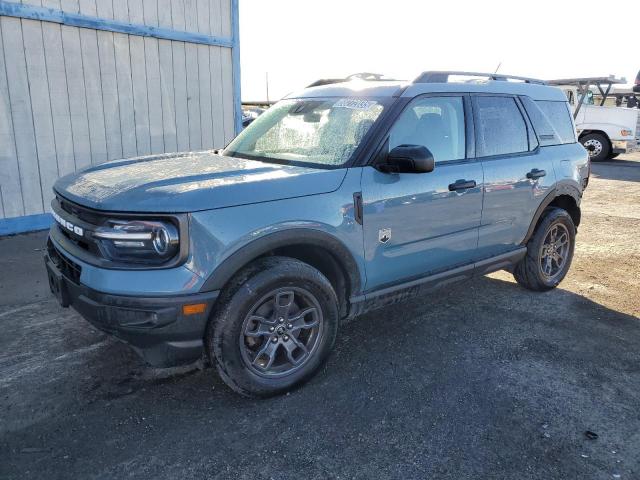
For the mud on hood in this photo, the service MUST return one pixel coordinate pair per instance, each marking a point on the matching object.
(188, 182)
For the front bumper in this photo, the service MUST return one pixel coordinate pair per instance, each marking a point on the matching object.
(155, 327)
(624, 146)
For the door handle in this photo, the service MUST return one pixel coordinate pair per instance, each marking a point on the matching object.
(535, 173)
(462, 185)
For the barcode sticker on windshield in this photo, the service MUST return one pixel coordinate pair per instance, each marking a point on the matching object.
(354, 103)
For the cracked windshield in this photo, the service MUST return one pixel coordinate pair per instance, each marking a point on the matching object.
(318, 132)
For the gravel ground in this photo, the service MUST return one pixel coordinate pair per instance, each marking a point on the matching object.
(481, 380)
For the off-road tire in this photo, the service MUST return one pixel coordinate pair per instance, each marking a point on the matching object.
(598, 139)
(223, 334)
(528, 272)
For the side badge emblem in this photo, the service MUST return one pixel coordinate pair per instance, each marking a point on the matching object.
(384, 235)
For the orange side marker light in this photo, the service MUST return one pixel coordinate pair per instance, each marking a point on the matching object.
(194, 308)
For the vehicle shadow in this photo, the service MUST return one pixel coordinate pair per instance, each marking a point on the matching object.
(627, 170)
(465, 381)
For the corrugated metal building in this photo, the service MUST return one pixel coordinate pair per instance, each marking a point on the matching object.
(86, 81)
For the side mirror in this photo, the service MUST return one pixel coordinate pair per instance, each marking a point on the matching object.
(408, 159)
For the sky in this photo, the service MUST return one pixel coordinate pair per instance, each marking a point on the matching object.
(299, 41)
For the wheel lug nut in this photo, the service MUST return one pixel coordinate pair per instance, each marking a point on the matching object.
(285, 338)
(281, 320)
(274, 339)
(289, 326)
(271, 329)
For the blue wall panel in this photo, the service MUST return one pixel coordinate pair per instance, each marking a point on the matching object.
(27, 223)
(18, 10)
(78, 87)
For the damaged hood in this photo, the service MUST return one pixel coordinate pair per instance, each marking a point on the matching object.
(188, 182)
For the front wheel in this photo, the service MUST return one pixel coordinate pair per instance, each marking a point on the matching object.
(549, 252)
(597, 145)
(274, 326)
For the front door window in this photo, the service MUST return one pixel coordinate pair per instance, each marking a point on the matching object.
(434, 122)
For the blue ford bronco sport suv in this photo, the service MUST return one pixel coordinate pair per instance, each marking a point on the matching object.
(341, 198)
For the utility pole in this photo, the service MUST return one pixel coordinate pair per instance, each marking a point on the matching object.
(267, 82)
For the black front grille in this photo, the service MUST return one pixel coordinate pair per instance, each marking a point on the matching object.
(84, 214)
(78, 215)
(68, 268)
(87, 245)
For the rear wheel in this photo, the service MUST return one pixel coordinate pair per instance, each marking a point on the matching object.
(597, 145)
(275, 325)
(549, 252)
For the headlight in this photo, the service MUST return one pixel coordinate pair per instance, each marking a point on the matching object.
(138, 241)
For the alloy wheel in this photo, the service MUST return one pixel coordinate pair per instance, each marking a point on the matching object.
(554, 251)
(281, 332)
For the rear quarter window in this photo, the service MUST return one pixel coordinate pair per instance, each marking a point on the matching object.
(551, 121)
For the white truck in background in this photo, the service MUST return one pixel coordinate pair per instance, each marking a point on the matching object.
(604, 131)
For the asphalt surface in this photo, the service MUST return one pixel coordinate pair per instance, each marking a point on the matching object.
(480, 380)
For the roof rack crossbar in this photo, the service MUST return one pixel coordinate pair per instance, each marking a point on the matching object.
(611, 80)
(443, 77)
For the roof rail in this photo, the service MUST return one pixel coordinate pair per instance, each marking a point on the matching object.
(443, 77)
(368, 76)
(325, 81)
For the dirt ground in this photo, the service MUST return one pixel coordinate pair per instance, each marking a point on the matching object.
(481, 380)
(606, 264)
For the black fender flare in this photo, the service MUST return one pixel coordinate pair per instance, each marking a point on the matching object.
(566, 188)
(284, 238)
(558, 190)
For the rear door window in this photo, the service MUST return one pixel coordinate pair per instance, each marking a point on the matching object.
(500, 127)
